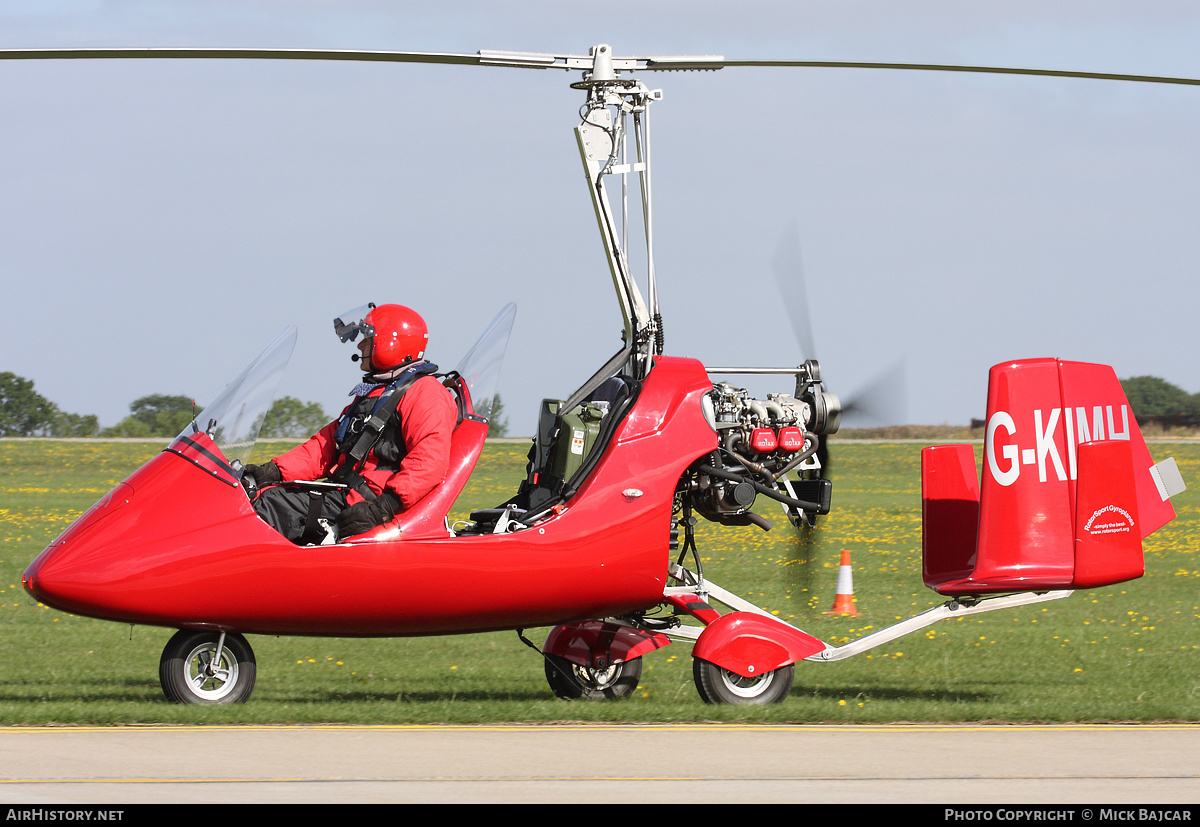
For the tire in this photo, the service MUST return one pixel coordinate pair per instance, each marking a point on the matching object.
(571, 681)
(720, 686)
(186, 658)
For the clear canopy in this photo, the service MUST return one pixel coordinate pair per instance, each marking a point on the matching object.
(235, 417)
(480, 368)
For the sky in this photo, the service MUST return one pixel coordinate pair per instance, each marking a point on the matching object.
(162, 221)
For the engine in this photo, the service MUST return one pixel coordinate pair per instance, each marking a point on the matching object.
(761, 442)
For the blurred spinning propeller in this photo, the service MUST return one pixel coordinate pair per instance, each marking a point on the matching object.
(882, 400)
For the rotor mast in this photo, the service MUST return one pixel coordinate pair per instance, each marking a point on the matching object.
(602, 137)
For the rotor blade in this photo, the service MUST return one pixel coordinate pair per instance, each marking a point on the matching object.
(720, 63)
(251, 54)
(789, 276)
(538, 60)
(484, 57)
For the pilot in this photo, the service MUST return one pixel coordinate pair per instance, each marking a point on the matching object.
(388, 448)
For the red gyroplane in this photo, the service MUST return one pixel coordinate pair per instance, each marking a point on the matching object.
(599, 540)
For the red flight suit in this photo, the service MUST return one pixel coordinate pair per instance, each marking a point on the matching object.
(427, 414)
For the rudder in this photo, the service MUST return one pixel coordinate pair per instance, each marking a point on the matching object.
(1063, 460)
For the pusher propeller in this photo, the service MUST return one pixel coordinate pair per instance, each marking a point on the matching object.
(880, 402)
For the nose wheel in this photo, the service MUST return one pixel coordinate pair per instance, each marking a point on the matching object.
(207, 668)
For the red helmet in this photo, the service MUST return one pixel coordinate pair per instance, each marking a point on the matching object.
(400, 335)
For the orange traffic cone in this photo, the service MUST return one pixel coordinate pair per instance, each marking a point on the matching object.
(843, 602)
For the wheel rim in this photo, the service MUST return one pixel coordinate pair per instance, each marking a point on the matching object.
(204, 679)
(746, 687)
(596, 679)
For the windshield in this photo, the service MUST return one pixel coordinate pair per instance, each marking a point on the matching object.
(233, 419)
(480, 368)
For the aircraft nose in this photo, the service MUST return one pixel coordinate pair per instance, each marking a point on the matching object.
(31, 580)
(28, 582)
(48, 579)
(40, 579)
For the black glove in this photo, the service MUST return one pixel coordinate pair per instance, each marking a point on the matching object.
(256, 476)
(364, 516)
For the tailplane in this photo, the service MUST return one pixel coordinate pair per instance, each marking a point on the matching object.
(1068, 489)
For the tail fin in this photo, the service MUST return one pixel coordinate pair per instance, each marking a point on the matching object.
(1069, 488)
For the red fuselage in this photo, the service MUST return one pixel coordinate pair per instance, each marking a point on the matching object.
(176, 545)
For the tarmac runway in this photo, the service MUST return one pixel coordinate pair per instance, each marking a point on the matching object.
(914, 764)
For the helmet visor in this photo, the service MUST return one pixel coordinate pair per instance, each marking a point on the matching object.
(350, 324)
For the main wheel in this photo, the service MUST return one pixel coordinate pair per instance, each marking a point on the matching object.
(570, 680)
(190, 675)
(720, 686)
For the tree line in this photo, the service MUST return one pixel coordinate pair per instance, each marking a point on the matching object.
(24, 413)
(1157, 400)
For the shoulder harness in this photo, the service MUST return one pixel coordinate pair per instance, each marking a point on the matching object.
(355, 441)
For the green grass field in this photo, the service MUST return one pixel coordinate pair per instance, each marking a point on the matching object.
(1123, 653)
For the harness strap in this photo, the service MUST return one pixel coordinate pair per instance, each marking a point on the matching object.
(349, 471)
(316, 499)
